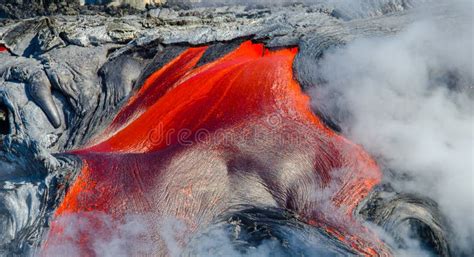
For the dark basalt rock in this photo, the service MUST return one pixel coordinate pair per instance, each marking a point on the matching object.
(17, 9)
(22, 9)
(253, 231)
(408, 216)
(4, 121)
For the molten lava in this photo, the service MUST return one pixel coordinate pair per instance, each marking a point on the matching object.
(179, 146)
(3, 48)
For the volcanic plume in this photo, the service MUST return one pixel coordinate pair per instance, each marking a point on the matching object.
(178, 145)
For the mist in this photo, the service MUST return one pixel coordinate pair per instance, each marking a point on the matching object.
(407, 99)
(111, 237)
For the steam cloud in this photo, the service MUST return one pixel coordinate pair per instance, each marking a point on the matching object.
(111, 238)
(408, 100)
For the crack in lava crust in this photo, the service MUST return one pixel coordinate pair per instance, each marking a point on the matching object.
(194, 142)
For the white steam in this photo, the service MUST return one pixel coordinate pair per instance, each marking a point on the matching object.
(216, 242)
(408, 100)
(108, 237)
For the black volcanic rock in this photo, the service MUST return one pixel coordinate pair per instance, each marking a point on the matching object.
(28, 8)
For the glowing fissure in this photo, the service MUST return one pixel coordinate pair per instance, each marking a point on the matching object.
(135, 169)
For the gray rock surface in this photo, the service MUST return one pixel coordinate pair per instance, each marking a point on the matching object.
(399, 214)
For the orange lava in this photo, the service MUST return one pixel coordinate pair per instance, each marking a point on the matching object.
(168, 152)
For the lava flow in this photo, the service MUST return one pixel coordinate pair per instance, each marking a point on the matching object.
(195, 141)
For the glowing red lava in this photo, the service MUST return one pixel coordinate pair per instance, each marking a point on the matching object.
(3, 48)
(174, 150)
